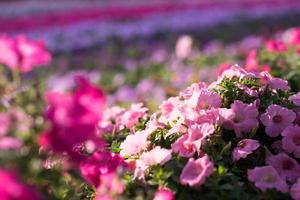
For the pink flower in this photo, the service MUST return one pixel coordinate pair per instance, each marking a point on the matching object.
(222, 67)
(73, 117)
(11, 188)
(190, 143)
(287, 167)
(244, 148)
(10, 143)
(4, 124)
(155, 156)
(110, 183)
(295, 190)
(195, 172)
(23, 54)
(276, 46)
(266, 178)
(252, 63)
(235, 71)
(132, 116)
(169, 108)
(164, 194)
(241, 117)
(204, 99)
(276, 119)
(296, 99)
(291, 140)
(273, 82)
(134, 144)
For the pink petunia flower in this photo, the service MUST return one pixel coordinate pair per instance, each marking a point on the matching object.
(155, 156)
(164, 194)
(134, 144)
(11, 188)
(274, 82)
(244, 148)
(295, 190)
(276, 119)
(287, 167)
(23, 54)
(291, 140)
(296, 99)
(169, 108)
(204, 99)
(266, 178)
(132, 116)
(276, 46)
(196, 171)
(241, 117)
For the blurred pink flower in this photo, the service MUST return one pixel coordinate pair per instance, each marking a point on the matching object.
(196, 171)
(184, 46)
(244, 148)
(73, 117)
(276, 46)
(276, 119)
(155, 156)
(99, 164)
(4, 124)
(267, 178)
(111, 185)
(164, 194)
(241, 117)
(287, 167)
(11, 188)
(134, 143)
(10, 143)
(291, 140)
(22, 53)
(295, 190)
(252, 63)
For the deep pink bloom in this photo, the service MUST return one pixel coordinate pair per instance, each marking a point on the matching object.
(252, 63)
(11, 188)
(222, 67)
(291, 140)
(164, 194)
(266, 178)
(241, 117)
(244, 148)
(295, 190)
(23, 54)
(73, 117)
(195, 172)
(155, 156)
(276, 46)
(134, 143)
(276, 119)
(98, 164)
(287, 167)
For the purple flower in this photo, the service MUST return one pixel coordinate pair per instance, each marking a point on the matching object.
(291, 140)
(295, 190)
(244, 148)
(276, 119)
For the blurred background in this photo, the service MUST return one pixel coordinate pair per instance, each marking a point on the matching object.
(145, 51)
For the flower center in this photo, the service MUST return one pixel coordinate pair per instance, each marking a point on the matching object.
(269, 178)
(277, 118)
(241, 144)
(287, 165)
(296, 140)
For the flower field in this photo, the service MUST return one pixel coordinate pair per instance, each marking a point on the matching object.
(150, 100)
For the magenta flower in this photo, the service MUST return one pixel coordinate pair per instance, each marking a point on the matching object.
(98, 164)
(276, 46)
(266, 178)
(73, 117)
(295, 190)
(11, 188)
(287, 167)
(241, 117)
(244, 148)
(164, 194)
(276, 119)
(291, 140)
(195, 172)
(22, 54)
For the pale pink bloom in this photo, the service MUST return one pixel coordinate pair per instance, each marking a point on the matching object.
(196, 171)
(295, 190)
(276, 119)
(273, 82)
(244, 148)
(134, 143)
(155, 156)
(164, 194)
(276, 46)
(204, 99)
(296, 99)
(110, 183)
(106, 125)
(132, 116)
(177, 128)
(189, 91)
(291, 140)
(267, 178)
(287, 167)
(241, 117)
(184, 149)
(235, 71)
(22, 53)
(10, 143)
(170, 108)
(184, 46)
(4, 124)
